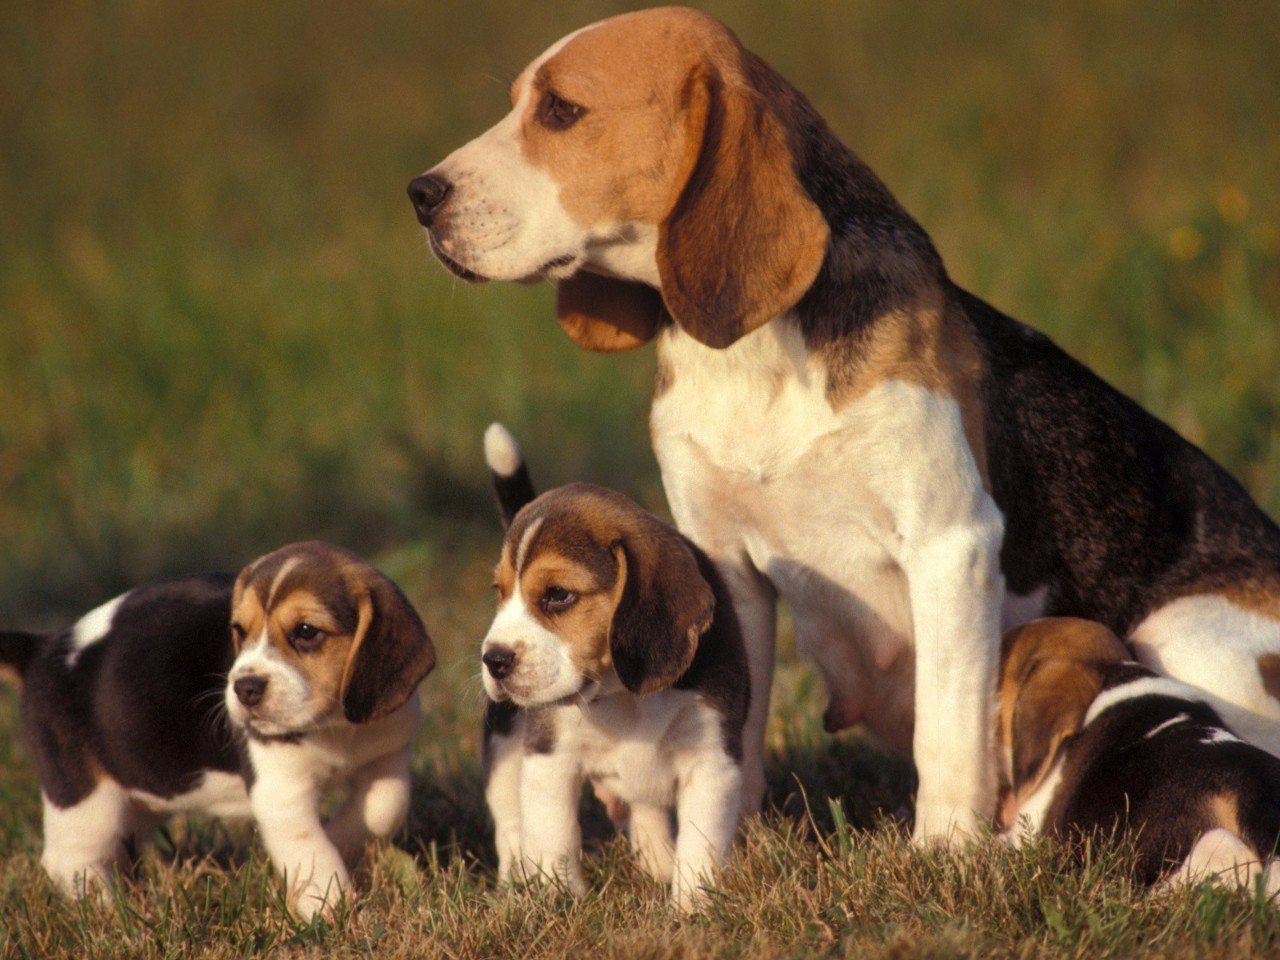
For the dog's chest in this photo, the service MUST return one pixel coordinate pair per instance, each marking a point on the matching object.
(634, 746)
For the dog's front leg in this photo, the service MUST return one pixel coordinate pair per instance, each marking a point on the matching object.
(550, 835)
(755, 602)
(285, 809)
(376, 807)
(708, 805)
(956, 595)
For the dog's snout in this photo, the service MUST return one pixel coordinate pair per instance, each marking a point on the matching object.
(250, 690)
(428, 192)
(499, 661)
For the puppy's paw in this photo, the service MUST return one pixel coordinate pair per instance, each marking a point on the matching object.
(946, 825)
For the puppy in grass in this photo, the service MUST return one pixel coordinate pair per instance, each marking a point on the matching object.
(614, 657)
(233, 696)
(1094, 743)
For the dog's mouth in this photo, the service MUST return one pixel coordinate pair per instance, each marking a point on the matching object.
(452, 265)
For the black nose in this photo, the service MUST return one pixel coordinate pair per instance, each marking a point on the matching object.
(250, 690)
(499, 660)
(428, 192)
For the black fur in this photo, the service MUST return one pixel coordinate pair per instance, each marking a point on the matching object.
(1160, 789)
(144, 703)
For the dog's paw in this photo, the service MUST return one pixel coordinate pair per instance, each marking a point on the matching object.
(946, 825)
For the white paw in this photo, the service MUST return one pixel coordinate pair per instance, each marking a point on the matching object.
(944, 824)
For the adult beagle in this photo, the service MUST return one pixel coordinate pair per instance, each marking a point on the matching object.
(1096, 744)
(229, 696)
(614, 656)
(836, 422)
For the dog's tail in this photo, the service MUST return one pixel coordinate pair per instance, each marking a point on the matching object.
(510, 475)
(17, 650)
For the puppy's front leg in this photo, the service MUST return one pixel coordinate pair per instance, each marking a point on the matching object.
(550, 835)
(287, 816)
(708, 806)
(377, 806)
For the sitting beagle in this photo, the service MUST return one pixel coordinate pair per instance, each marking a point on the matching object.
(1094, 742)
(228, 696)
(615, 655)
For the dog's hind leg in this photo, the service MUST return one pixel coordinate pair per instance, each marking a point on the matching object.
(84, 843)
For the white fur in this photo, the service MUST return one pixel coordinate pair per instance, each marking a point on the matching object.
(888, 561)
(543, 670)
(502, 794)
(1214, 644)
(1142, 687)
(1160, 728)
(657, 753)
(1222, 857)
(501, 451)
(92, 627)
(286, 702)
(1033, 810)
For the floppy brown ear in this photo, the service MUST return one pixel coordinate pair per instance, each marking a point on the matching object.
(666, 605)
(389, 656)
(608, 315)
(744, 240)
(1049, 708)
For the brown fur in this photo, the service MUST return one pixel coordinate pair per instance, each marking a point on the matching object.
(374, 650)
(1049, 676)
(1269, 668)
(685, 130)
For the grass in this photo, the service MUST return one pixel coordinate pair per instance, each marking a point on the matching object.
(221, 331)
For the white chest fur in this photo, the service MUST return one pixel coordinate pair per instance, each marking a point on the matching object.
(828, 504)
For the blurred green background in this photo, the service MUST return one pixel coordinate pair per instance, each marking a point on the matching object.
(220, 327)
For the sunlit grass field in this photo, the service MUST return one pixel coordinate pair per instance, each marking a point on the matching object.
(220, 330)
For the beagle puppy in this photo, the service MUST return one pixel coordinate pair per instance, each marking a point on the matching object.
(839, 424)
(233, 696)
(614, 656)
(1094, 743)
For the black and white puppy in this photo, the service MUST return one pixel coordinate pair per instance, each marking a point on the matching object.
(614, 656)
(230, 696)
(1096, 743)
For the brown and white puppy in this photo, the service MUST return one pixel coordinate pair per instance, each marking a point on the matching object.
(614, 656)
(236, 697)
(836, 421)
(1096, 744)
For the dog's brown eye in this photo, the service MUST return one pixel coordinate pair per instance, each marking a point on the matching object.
(557, 113)
(557, 599)
(305, 637)
(238, 633)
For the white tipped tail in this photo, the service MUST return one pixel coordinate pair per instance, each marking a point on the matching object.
(511, 480)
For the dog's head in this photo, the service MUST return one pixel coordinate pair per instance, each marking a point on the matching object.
(592, 588)
(648, 164)
(320, 637)
(1051, 670)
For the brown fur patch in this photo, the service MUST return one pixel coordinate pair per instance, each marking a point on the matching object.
(1224, 811)
(1260, 595)
(929, 345)
(1049, 676)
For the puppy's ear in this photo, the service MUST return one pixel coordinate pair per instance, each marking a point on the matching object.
(608, 315)
(389, 656)
(665, 606)
(743, 241)
(1048, 709)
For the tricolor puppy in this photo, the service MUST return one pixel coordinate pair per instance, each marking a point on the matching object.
(837, 422)
(1095, 744)
(614, 656)
(233, 697)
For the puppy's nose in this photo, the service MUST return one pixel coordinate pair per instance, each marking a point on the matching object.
(499, 661)
(250, 690)
(428, 192)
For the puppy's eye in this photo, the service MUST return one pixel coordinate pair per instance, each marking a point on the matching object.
(238, 633)
(557, 599)
(557, 113)
(305, 638)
